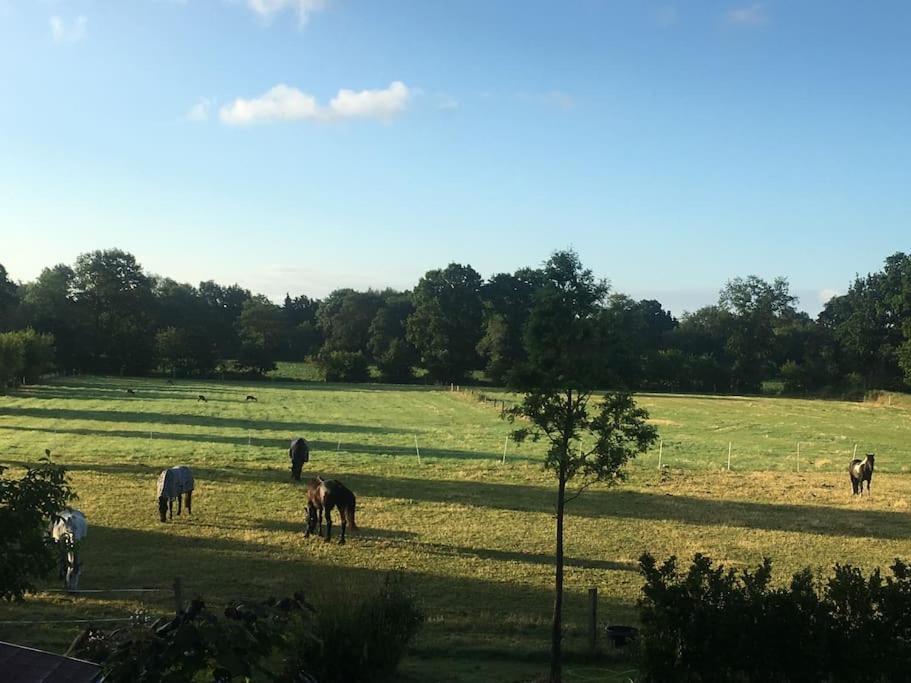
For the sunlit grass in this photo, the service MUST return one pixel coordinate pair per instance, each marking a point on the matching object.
(473, 534)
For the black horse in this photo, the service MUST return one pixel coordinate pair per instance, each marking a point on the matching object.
(322, 496)
(175, 482)
(861, 471)
(299, 453)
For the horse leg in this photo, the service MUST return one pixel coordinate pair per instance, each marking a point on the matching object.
(341, 513)
(328, 524)
(170, 508)
(189, 503)
(179, 503)
(311, 520)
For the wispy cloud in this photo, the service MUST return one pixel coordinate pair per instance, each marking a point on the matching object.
(748, 15)
(553, 98)
(267, 9)
(68, 34)
(444, 101)
(199, 112)
(285, 103)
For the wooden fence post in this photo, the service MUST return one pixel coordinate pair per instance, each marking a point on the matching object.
(592, 620)
(178, 596)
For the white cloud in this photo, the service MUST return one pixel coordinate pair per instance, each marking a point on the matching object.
(284, 103)
(200, 111)
(303, 8)
(382, 104)
(749, 15)
(64, 34)
(826, 293)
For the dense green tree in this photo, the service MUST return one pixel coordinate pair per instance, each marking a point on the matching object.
(393, 354)
(633, 332)
(185, 352)
(223, 308)
(25, 355)
(507, 303)
(557, 383)
(344, 318)
(303, 337)
(261, 327)
(755, 307)
(114, 297)
(9, 300)
(445, 327)
(49, 307)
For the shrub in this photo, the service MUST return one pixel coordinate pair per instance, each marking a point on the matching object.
(363, 640)
(712, 623)
(343, 366)
(247, 640)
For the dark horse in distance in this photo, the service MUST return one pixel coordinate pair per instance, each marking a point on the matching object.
(861, 471)
(322, 496)
(174, 482)
(299, 454)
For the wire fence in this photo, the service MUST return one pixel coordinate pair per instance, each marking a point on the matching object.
(176, 590)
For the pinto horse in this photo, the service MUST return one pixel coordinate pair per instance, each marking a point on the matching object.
(322, 496)
(861, 471)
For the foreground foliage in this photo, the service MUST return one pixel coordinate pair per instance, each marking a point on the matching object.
(26, 506)
(281, 640)
(712, 623)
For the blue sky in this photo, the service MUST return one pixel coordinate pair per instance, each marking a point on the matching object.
(303, 145)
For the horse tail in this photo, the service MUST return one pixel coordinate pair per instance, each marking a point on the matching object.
(349, 513)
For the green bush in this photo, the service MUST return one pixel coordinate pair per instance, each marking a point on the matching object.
(363, 639)
(710, 623)
(24, 355)
(343, 366)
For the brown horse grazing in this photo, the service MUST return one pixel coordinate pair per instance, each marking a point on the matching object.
(251, 397)
(322, 496)
(861, 471)
(201, 398)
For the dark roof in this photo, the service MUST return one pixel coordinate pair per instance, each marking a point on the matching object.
(19, 664)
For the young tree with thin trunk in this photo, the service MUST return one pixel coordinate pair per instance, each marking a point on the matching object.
(564, 367)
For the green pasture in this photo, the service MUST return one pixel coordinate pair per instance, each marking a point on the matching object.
(473, 534)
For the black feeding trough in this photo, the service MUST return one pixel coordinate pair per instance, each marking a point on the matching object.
(621, 635)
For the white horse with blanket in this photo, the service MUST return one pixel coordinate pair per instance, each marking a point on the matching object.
(68, 529)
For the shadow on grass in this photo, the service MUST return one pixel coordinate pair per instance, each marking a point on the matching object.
(202, 420)
(626, 504)
(281, 445)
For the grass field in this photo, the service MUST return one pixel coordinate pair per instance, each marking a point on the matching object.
(473, 534)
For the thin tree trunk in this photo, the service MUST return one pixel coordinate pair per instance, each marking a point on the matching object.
(556, 636)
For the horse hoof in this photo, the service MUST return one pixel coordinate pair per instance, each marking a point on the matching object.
(342, 542)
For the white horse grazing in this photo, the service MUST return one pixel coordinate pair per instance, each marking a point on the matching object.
(67, 530)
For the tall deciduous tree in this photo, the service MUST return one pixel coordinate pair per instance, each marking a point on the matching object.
(446, 324)
(562, 370)
(507, 304)
(9, 299)
(391, 351)
(756, 307)
(115, 297)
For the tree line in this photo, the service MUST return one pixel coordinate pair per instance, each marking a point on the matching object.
(106, 314)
